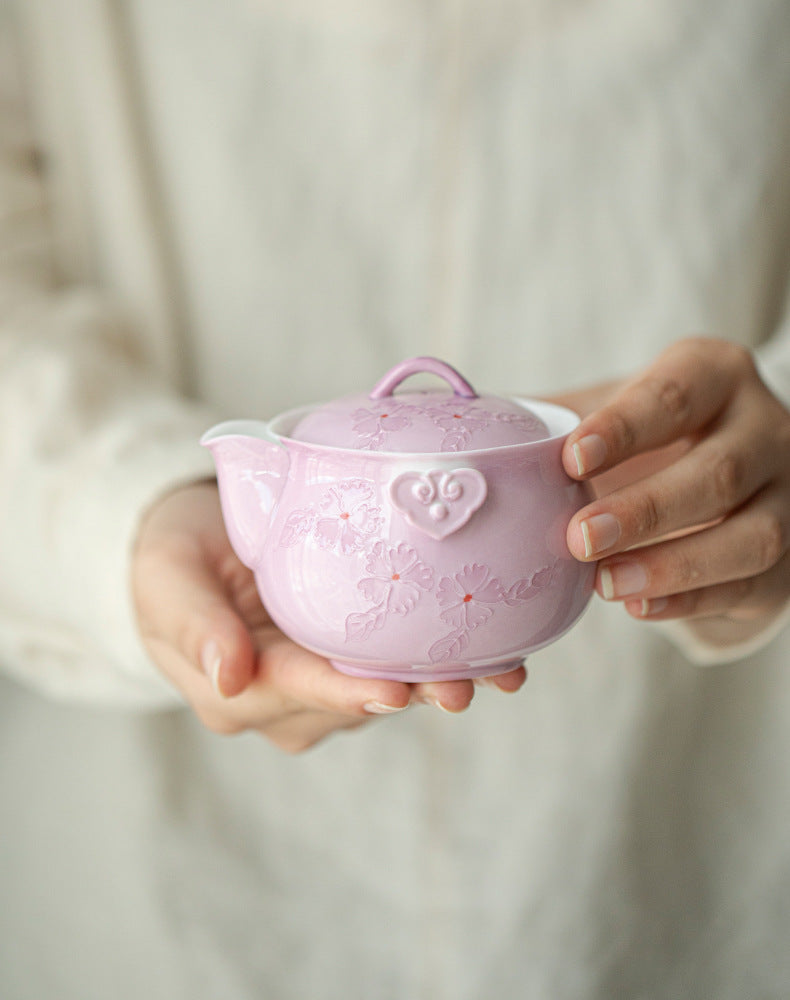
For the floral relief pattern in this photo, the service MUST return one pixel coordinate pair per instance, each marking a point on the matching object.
(373, 423)
(459, 419)
(345, 519)
(467, 597)
(396, 579)
(396, 575)
(468, 600)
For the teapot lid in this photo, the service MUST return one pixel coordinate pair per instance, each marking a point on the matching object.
(420, 421)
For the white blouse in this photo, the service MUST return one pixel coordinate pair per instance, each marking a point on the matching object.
(241, 206)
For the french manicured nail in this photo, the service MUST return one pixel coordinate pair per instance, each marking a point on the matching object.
(589, 452)
(211, 661)
(622, 580)
(437, 704)
(493, 682)
(600, 532)
(379, 708)
(654, 607)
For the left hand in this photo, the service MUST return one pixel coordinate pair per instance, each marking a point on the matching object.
(705, 537)
(205, 628)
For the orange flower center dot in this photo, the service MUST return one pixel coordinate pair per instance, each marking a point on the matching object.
(344, 516)
(384, 416)
(467, 598)
(457, 416)
(396, 576)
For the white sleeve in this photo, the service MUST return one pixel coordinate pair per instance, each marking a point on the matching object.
(89, 436)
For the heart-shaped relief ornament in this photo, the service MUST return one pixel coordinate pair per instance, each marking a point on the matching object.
(438, 502)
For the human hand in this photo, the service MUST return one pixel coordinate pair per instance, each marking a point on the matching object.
(705, 538)
(204, 626)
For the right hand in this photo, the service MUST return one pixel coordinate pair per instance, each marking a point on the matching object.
(204, 626)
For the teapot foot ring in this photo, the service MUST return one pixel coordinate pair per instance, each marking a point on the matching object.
(414, 674)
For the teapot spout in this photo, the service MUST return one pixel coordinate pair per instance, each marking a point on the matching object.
(252, 468)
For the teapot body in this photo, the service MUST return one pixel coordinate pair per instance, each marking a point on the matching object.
(410, 537)
(422, 567)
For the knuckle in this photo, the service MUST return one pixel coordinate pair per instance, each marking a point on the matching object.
(770, 540)
(648, 518)
(622, 432)
(733, 358)
(176, 548)
(672, 397)
(727, 475)
(739, 358)
(699, 342)
(695, 347)
(726, 354)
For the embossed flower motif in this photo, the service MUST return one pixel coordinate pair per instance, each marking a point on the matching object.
(397, 575)
(467, 597)
(528, 423)
(372, 423)
(459, 419)
(396, 578)
(347, 519)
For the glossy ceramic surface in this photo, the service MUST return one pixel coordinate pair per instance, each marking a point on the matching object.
(410, 565)
(427, 421)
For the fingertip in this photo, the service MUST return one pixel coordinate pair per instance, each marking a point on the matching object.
(229, 663)
(584, 454)
(508, 683)
(387, 700)
(234, 678)
(449, 696)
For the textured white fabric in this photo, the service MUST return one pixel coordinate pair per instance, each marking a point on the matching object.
(263, 204)
(89, 434)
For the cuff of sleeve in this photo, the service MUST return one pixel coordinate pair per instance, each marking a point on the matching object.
(70, 631)
(160, 460)
(705, 652)
(89, 438)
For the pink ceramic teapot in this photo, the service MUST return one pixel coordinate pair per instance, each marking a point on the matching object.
(417, 536)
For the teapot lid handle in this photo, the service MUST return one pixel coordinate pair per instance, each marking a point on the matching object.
(386, 385)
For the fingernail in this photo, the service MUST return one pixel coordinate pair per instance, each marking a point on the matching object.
(437, 704)
(489, 683)
(622, 580)
(493, 681)
(379, 708)
(211, 661)
(654, 607)
(600, 532)
(589, 452)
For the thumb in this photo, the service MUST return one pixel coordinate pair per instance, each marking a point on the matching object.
(183, 604)
(225, 650)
